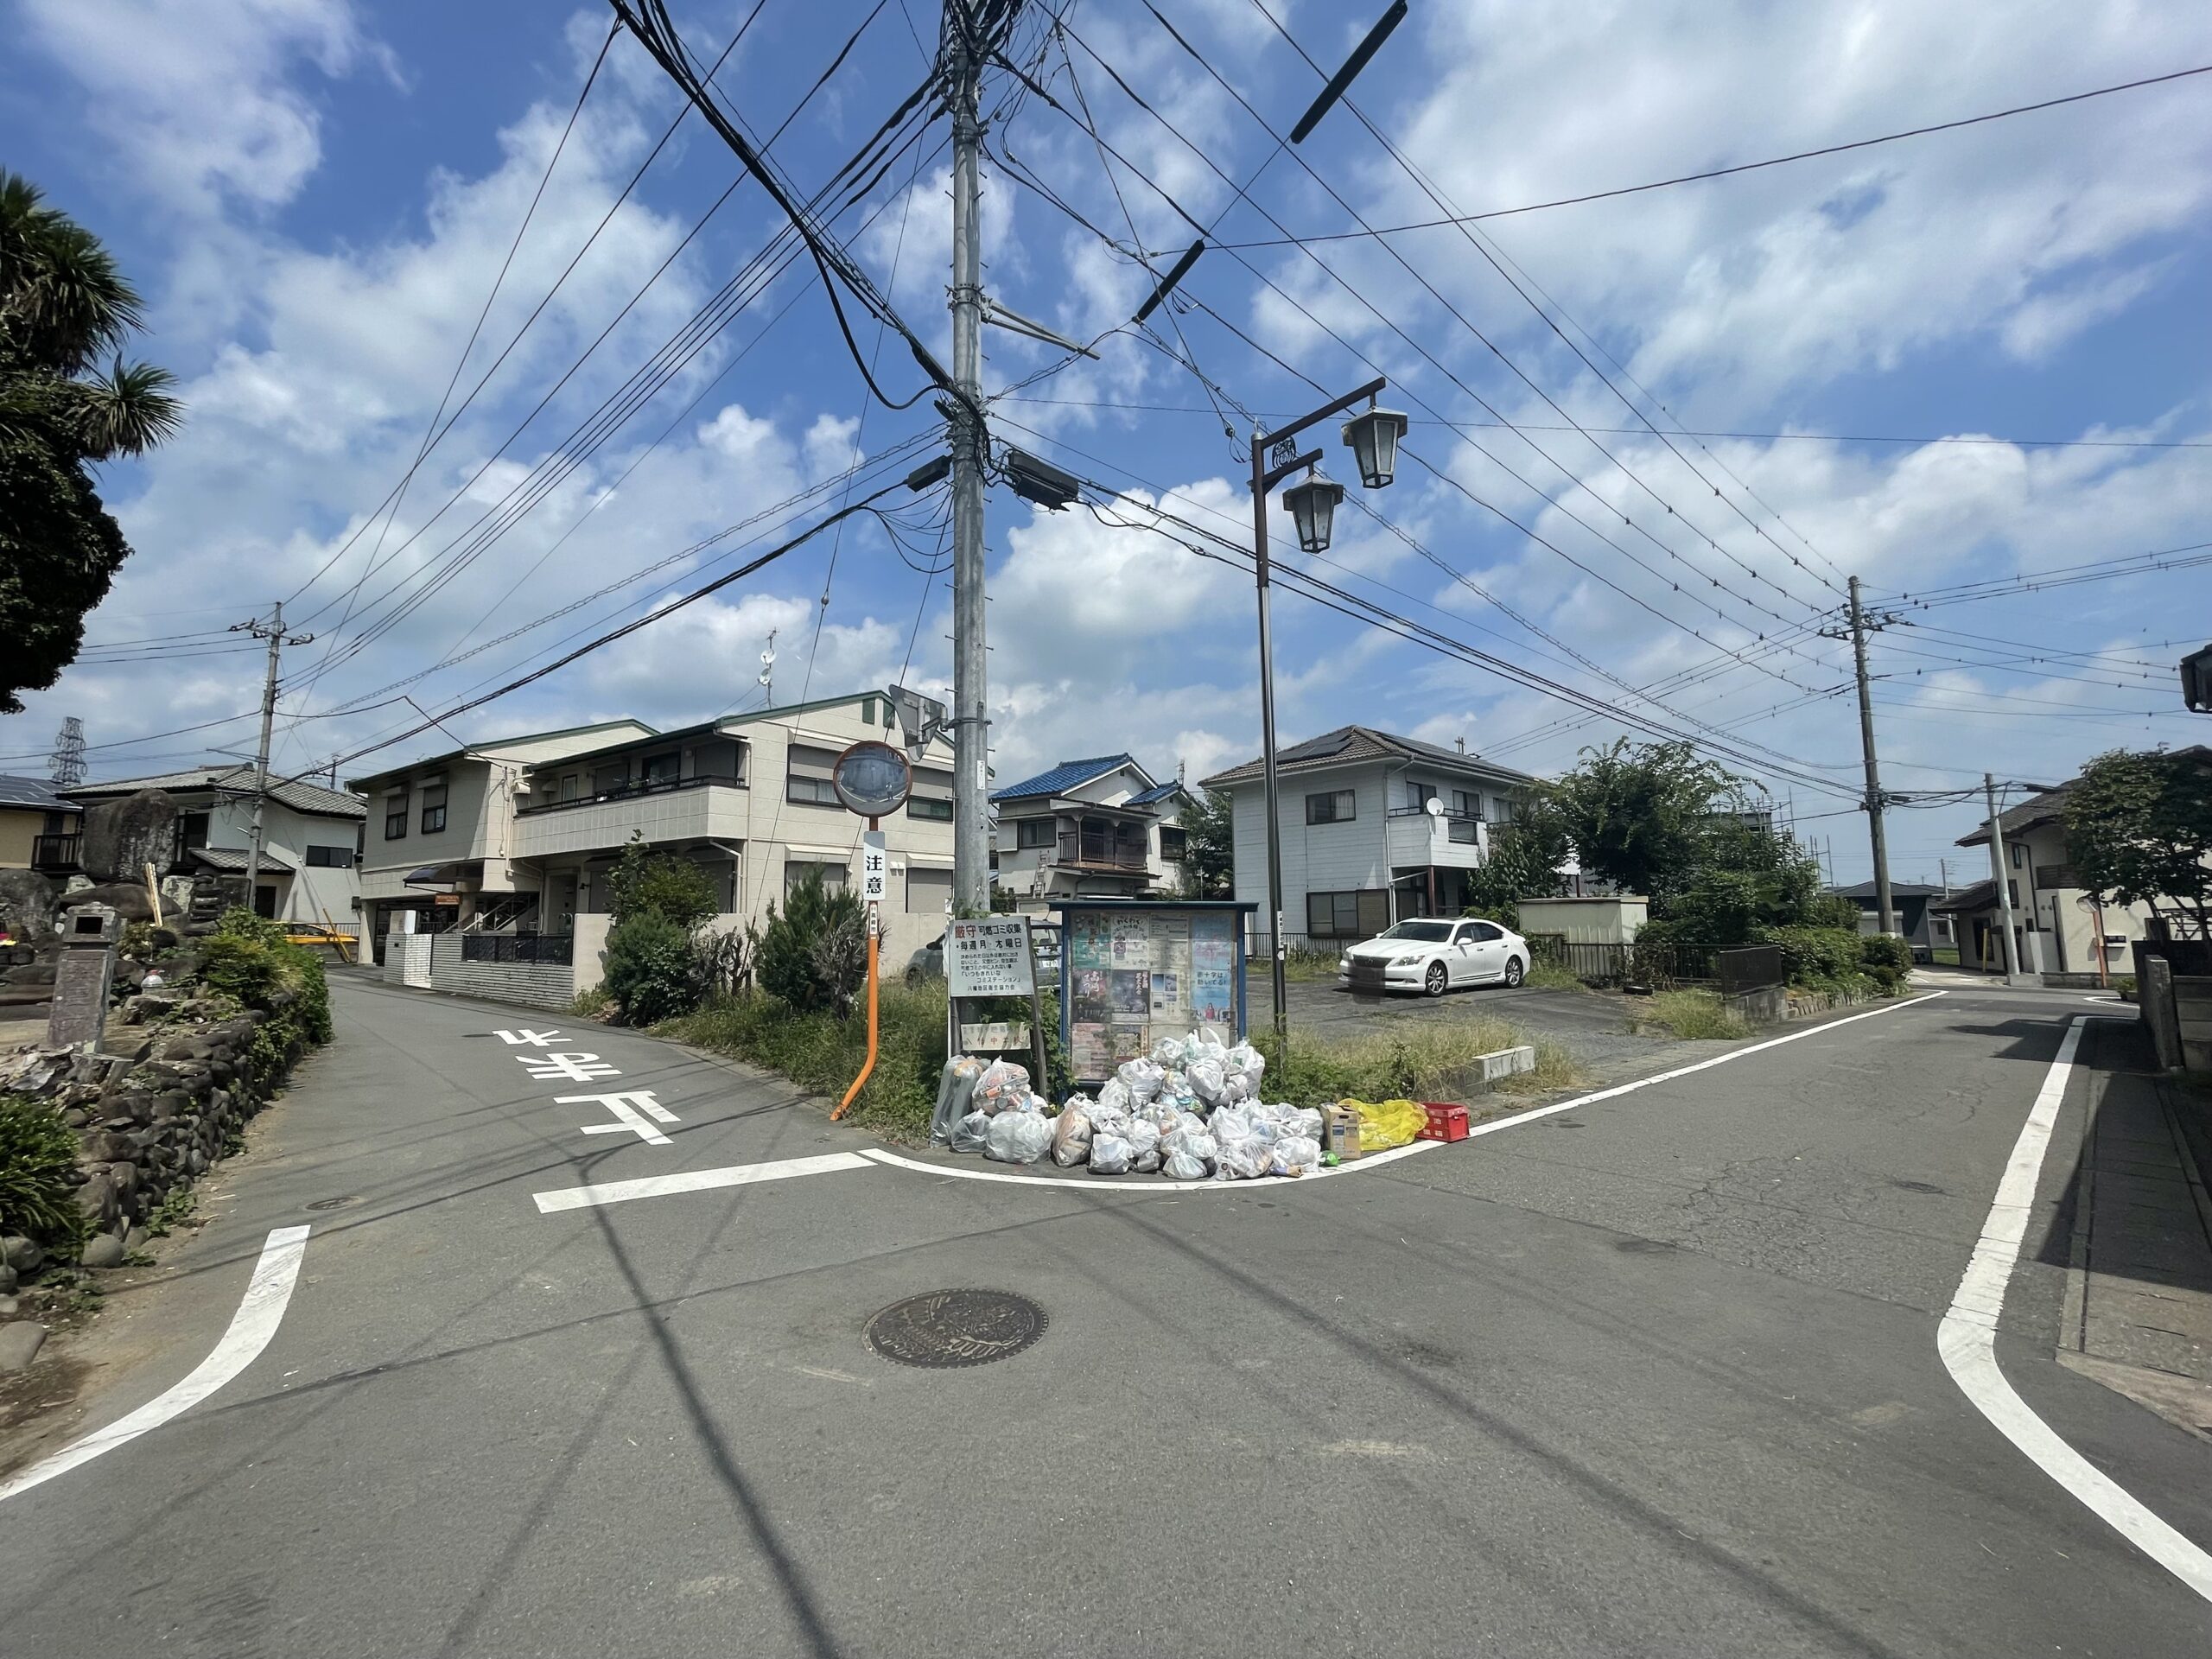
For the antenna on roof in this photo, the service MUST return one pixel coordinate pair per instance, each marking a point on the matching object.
(767, 675)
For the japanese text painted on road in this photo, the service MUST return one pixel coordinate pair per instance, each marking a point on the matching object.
(989, 958)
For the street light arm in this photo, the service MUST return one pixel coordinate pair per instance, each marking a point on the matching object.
(1269, 479)
(1269, 440)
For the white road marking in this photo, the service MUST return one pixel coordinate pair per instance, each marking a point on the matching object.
(250, 1328)
(1618, 1089)
(695, 1180)
(1109, 1183)
(575, 1068)
(1966, 1340)
(627, 1108)
(534, 1039)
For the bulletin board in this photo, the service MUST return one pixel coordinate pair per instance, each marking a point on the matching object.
(1133, 972)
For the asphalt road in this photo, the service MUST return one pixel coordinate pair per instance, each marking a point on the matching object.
(1657, 1376)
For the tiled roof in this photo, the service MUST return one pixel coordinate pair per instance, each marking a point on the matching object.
(1350, 743)
(1069, 774)
(1157, 792)
(1981, 896)
(233, 858)
(2039, 807)
(33, 792)
(300, 795)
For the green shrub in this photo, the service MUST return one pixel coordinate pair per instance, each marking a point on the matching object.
(38, 1156)
(1689, 1015)
(643, 880)
(1885, 959)
(1817, 957)
(593, 1002)
(649, 971)
(821, 1052)
(247, 957)
(806, 957)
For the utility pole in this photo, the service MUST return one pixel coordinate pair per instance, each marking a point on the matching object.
(1884, 905)
(277, 638)
(971, 859)
(1996, 875)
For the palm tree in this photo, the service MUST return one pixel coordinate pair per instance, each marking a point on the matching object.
(64, 309)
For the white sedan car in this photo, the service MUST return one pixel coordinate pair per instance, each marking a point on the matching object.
(1433, 955)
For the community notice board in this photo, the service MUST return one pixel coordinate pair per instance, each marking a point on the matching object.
(1131, 973)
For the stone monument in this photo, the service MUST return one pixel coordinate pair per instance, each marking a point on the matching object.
(119, 839)
(84, 977)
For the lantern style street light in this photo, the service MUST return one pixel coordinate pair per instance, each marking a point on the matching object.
(1373, 436)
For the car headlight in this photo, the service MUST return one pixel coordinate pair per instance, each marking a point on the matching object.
(1407, 962)
(1343, 964)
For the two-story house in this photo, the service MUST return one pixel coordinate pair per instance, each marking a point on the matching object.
(1373, 827)
(2058, 925)
(749, 798)
(1100, 828)
(310, 838)
(441, 832)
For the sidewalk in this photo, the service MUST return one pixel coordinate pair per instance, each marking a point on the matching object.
(2139, 1304)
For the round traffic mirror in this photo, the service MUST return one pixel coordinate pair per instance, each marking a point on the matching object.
(872, 779)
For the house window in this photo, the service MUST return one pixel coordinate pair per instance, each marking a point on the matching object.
(570, 783)
(1418, 796)
(360, 840)
(1171, 844)
(1465, 831)
(433, 808)
(394, 817)
(661, 770)
(718, 759)
(605, 781)
(1359, 914)
(2020, 852)
(1034, 832)
(1466, 803)
(1339, 806)
(192, 831)
(330, 858)
(925, 806)
(868, 711)
(2012, 893)
(929, 892)
(807, 777)
(796, 872)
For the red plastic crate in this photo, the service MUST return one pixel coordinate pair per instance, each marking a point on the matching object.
(1445, 1121)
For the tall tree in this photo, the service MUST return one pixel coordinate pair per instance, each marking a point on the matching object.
(64, 307)
(1209, 845)
(1639, 814)
(2138, 829)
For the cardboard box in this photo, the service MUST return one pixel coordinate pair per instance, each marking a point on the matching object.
(1340, 1132)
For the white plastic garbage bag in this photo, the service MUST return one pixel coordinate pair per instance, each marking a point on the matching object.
(1001, 1085)
(1304, 1120)
(1194, 1143)
(1242, 1160)
(968, 1134)
(1072, 1134)
(1208, 1081)
(1294, 1154)
(956, 1086)
(1142, 1076)
(1114, 1095)
(1247, 1059)
(1144, 1145)
(1109, 1154)
(1183, 1166)
(1016, 1137)
(1167, 1053)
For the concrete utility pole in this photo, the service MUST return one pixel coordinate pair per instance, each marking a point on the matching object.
(971, 856)
(1997, 875)
(277, 638)
(1884, 905)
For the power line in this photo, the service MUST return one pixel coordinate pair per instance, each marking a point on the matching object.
(1722, 172)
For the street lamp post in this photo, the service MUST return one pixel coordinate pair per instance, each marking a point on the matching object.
(1373, 437)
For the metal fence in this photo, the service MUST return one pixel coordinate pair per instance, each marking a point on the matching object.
(518, 947)
(1662, 966)
(1749, 968)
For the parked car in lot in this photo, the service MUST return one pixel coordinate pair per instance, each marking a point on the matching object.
(1431, 955)
(928, 962)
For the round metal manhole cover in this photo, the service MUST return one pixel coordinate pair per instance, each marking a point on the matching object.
(945, 1328)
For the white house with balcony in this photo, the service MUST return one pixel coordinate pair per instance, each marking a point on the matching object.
(1100, 828)
(1374, 827)
(748, 797)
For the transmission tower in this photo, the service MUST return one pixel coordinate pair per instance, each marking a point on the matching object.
(67, 763)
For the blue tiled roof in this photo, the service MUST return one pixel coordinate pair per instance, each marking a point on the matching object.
(1157, 792)
(1069, 774)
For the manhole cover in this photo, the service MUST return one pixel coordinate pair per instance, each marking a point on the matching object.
(943, 1329)
(332, 1204)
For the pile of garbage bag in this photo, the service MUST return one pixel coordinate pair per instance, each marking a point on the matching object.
(1190, 1110)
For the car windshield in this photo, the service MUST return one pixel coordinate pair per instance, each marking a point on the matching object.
(1424, 932)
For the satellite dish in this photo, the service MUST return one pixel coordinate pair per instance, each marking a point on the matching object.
(1434, 807)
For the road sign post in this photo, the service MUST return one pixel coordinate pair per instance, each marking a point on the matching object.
(872, 780)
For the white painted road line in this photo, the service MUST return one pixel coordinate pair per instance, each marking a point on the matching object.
(251, 1327)
(1111, 1183)
(1618, 1089)
(696, 1180)
(1968, 1337)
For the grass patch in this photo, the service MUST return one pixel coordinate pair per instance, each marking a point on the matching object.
(1550, 977)
(596, 1003)
(1689, 1015)
(822, 1053)
(1945, 955)
(1404, 1059)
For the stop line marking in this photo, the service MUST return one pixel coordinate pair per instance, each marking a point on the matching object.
(695, 1180)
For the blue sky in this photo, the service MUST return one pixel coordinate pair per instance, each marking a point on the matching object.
(317, 198)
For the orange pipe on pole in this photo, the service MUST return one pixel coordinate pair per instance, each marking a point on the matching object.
(853, 1093)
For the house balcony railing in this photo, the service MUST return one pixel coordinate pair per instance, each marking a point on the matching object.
(631, 791)
(1102, 854)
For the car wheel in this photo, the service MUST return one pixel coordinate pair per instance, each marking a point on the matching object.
(1436, 979)
(1515, 973)
(913, 977)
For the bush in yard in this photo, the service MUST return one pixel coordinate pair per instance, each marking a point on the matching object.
(806, 958)
(649, 971)
(1887, 959)
(643, 880)
(1826, 958)
(38, 1157)
(247, 957)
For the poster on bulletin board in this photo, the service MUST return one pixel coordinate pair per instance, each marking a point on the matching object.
(1135, 972)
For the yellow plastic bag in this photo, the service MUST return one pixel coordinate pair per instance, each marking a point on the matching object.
(1386, 1123)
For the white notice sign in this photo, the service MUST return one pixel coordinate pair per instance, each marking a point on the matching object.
(874, 868)
(989, 958)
